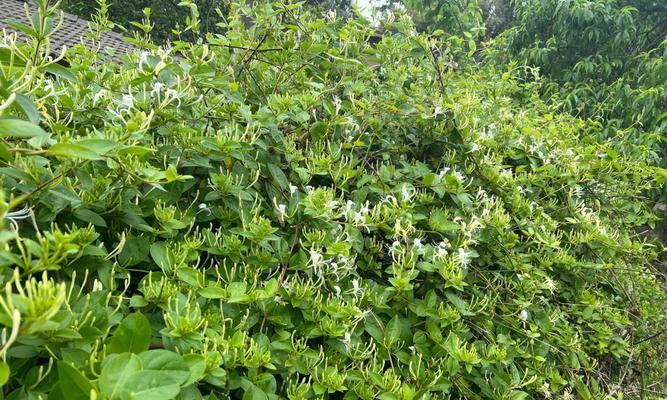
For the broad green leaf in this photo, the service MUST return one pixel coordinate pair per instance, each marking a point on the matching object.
(132, 335)
(116, 373)
(28, 108)
(160, 254)
(278, 175)
(4, 152)
(254, 393)
(61, 71)
(213, 292)
(70, 150)
(75, 384)
(237, 293)
(4, 373)
(319, 130)
(171, 366)
(393, 329)
(91, 217)
(135, 251)
(20, 129)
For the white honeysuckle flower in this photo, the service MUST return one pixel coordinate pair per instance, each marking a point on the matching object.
(279, 300)
(395, 247)
(333, 204)
(282, 210)
(550, 284)
(164, 51)
(523, 315)
(157, 87)
(127, 101)
(143, 58)
(16, 216)
(546, 390)
(48, 86)
(348, 206)
(204, 207)
(292, 189)
(359, 218)
(97, 285)
(354, 124)
(418, 245)
(356, 288)
(99, 95)
(337, 102)
(441, 251)
(172, 93)
(406, 194)
(463, 257)
(389, 199)
(316, 259)
(337, 290)
(347, 339)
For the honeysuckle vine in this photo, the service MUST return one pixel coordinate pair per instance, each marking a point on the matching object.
(290, 210)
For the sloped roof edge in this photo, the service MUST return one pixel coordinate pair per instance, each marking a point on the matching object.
(73, 30)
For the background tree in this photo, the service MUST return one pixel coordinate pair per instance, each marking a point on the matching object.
(166, 15)
(601, 58)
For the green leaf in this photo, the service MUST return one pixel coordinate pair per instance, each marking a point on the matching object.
(135, 251)
(98, 146)
(213, 292)
(237, 293)
(254, 393)
(88, 216)
(20, 129)
(160, 254)
(438, 222)
(278, 175)
(393, 329)
(4, 373)
(4, 152)
(60, 71)
(116, 373)
(171, 366)
(28, 108)
(70, 150)
(153, 375)
(319, 130)
(133, 335)
(77, 386)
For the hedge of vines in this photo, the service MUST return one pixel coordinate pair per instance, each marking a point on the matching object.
(296, 210)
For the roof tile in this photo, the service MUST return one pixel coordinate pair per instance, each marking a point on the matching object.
(73, 30)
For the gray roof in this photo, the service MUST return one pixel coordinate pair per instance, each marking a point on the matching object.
(73, 30)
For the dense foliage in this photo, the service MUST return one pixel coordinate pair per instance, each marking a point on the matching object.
(167, 17)
(601, 59)
(291, 210)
